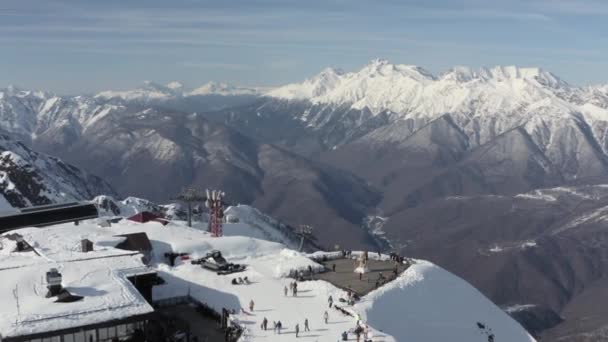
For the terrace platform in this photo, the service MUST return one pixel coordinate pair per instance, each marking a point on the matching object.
(345, 278)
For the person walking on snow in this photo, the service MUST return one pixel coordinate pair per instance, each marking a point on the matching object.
(325, 317)
(251, 305)
(330, 301)
(285, 290)
(306, 328)
(297, 329)
(264, 324)
(279, 326)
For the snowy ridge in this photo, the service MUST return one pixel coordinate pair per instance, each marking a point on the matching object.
(408, 89)
(151, 91)
(29, 178)
(219, 88)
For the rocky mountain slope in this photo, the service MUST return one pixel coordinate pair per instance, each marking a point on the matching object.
(28, 178)
(541, 252)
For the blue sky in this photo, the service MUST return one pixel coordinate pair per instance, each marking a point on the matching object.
(88, 45)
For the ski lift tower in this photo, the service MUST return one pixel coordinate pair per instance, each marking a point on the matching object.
(303, 231)
(190, 195)
(215, 203)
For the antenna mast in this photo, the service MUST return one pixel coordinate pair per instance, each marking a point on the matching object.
(215, 203)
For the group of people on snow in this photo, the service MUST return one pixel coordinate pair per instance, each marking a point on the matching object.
(240, 281)
(359, 331)
(293, 287)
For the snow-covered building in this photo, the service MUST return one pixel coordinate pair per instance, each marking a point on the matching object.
(109, 285)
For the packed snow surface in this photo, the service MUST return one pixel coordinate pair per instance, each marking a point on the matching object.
(426, 303)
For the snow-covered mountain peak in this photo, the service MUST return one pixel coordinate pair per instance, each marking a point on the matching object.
(220, 88)
(175, 86)
(148, 91)
(463, 74)
(15, 91)
(383, 68)
(409, 89)
(543, 77)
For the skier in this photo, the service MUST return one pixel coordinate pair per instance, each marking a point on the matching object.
(306, 328)
(326, 317)
(251, 305)
(330, 301)
(285, 290)
(297, 329)
(279, 326)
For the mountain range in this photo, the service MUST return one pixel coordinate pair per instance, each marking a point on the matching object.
(386, 157)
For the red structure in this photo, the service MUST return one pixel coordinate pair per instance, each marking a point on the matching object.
(215, 204)
(146, 216)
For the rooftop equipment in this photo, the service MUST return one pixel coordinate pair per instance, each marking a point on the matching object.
(214, 261)
(53, 283)
(86, 245)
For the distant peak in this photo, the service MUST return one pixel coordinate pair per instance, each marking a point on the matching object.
(175, 85)
(220, 88)
(503, 73)
(385, 68)
(13, 88)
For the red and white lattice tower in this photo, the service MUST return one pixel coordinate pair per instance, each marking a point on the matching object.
(215, 203)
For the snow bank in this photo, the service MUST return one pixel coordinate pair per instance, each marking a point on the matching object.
(427, 303)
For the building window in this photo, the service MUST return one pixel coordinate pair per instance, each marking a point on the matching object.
(103, 333)
(56, 339)
(111, 332)
(91, 336)
(79, 337)
(68, 338)
(121, 330)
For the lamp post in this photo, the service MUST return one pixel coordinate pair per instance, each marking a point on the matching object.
(303, 231)
(189, 196)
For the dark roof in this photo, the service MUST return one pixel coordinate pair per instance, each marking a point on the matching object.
(46, 215)
(135, 242)
(146, 216)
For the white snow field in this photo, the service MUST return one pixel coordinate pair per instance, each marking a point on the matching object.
(425, 303)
